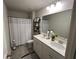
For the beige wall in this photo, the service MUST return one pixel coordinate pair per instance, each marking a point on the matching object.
(20, 14)
(33, 14)
(6, 41)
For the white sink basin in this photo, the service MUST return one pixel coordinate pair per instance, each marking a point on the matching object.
(58, 45)
(59, 42)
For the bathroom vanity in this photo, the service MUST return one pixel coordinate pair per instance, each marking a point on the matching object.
(47, 49)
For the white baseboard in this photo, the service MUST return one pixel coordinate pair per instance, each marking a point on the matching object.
(5, 56)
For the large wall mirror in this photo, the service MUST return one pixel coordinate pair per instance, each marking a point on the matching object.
(58, 22)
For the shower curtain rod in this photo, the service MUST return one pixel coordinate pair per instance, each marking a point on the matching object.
(18, 17)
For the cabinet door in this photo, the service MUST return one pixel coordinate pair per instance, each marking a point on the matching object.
(35, 45)
(38, 47)
(45, 52)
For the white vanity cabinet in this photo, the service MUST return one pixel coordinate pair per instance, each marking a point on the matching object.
(44, 51)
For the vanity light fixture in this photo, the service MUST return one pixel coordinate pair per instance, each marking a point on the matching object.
(55, 6)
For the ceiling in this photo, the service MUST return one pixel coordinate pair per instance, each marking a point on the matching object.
(27, 5)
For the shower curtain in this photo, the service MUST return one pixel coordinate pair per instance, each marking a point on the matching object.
(20, 30)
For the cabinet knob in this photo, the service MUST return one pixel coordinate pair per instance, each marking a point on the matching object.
(51, 56)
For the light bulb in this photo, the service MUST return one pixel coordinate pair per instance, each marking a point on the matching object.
(52, 6)
(48, 8)
(58, 5)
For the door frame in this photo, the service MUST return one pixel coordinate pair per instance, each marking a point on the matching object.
(71, 43)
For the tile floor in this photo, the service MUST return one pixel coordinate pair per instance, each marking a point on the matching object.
(21, 51)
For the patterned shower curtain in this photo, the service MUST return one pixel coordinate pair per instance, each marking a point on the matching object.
(20, 30)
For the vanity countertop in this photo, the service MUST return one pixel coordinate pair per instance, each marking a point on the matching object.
(57, 47)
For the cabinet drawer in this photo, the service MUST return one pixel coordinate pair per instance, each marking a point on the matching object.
(53, 54)
(47, 53)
